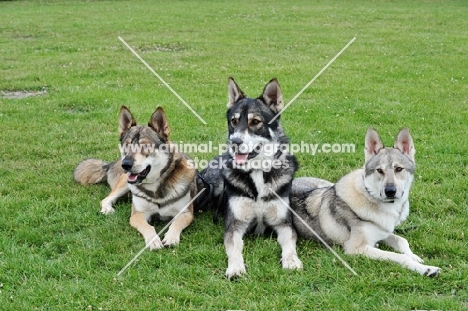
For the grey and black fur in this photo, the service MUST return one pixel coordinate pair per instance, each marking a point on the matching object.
(254, 174)
(364, 207)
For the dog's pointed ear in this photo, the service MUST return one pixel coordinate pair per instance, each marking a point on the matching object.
(273, 96)
(373, 143)
(160, 124)
(126, 120)
(234, 93)
(404, 143)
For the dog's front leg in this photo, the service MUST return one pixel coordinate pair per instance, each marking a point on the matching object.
(401, 245)
(357, 245)
(120, 189)
(233, 243)
(287, 238)
(139, 222)
(172, 237)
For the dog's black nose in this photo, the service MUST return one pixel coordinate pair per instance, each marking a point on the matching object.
(236, 141)
(390, 191)
(127, 164)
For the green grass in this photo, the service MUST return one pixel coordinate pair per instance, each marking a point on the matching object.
(407, 67)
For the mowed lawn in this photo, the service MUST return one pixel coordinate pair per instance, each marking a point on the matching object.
(407, 67)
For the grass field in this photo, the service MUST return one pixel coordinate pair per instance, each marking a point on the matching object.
(407, 67)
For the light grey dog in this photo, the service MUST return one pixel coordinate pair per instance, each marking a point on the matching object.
(364, 207)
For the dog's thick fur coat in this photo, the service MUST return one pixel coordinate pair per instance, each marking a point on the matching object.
(161, 180)
(364, 207)
(254, 176)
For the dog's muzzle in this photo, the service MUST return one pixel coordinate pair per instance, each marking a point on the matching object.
(133, 178)
(241, 150)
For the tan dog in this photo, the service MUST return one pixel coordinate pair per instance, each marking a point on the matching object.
(161, 180)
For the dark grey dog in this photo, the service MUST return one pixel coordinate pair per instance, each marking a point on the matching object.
(255, 175)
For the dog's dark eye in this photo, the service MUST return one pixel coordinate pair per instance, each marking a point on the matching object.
(398, 169)
(256, 121)
(380, 171)
(234, 122)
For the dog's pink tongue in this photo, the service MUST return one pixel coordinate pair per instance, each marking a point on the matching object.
(240, 158)
(132, 177)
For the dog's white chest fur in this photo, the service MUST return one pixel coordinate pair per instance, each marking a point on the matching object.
(261, 211)
(165, 212)
(262, 188)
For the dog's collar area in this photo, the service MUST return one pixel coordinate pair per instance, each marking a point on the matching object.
(138, 178)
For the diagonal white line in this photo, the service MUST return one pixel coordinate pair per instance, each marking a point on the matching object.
(315, 233)
(159, 234)
(313, 79)
(161, 79)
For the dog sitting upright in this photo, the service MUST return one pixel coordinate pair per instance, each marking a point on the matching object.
(162, 181)
(364, 207)
(258, 171)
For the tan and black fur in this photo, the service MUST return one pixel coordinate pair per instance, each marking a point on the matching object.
(161, 180)
(364, 207)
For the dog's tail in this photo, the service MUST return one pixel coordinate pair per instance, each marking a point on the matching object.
(214, 197)
(205, 200)
(91, 171)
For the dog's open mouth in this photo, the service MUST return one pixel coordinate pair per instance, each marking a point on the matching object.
(241, 158)
(138, 178)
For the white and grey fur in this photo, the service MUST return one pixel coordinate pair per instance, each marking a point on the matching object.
(364, 207)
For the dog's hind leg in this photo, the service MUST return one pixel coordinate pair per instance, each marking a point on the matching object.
(287, 238)
(120, 189)
(139, 222)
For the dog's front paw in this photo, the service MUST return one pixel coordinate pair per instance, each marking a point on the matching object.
(106, 207)
(171, 240)
(415, 258)
(291, 262)
(431, 271)
(235, 270)
(153, 242)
